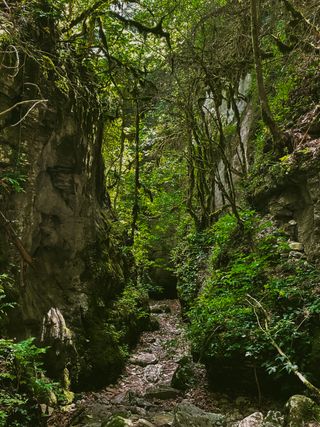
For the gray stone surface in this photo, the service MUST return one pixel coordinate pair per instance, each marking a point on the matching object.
(59, 216)
(164, 419)
(187, 415)
(144, 359)
(162, 392)
(296, 246)
(253, 420)
(152, 373)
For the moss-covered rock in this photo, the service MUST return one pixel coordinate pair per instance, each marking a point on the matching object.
(117, 421)
(300, 409)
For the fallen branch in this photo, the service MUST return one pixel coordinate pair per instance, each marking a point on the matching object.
(255, 304)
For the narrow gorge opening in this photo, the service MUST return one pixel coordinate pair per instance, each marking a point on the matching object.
(159, 223)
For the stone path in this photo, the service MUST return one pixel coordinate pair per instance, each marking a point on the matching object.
(162, 387)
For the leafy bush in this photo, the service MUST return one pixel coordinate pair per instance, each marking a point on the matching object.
(223, 325)
(23, 383)
(12, 183)
(189, 256)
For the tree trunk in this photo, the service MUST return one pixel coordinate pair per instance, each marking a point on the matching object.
(263, 99)
(135, 208)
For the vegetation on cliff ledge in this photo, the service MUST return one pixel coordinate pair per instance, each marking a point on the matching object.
(184, 144)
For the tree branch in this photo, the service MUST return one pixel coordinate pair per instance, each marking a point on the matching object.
(255, 304)
(36, 101)
(296, 14)
(85, 14)
(157, 30)
(15, 239)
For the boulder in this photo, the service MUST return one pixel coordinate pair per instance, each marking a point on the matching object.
(144, 359)
(296, 246)
(183, 375)
(188, 415)
(253, 420)
(162, 392)
(152, 373)
(164, 419)
(93, 415)
(300, 409)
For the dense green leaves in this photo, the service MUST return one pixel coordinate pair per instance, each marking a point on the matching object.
(223, 324)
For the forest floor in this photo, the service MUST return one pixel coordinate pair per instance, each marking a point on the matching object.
(144, 392)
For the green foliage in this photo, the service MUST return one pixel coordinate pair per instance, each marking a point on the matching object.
(5, 281)
(11, 183)
(189, 258)
(223, 325)
(23, 383)
(131, 302)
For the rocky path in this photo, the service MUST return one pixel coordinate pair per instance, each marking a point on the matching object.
(162, 387)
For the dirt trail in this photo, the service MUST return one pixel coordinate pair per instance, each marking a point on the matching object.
(144, 392)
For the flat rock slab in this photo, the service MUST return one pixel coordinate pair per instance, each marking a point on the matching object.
(162, 392)
(296, 246)
(144, 359)
(143, 423)
(188, 415)
(163, 420)
(118, 421)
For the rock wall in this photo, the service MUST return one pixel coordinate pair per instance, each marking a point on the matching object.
(60, 218)
(289, 191)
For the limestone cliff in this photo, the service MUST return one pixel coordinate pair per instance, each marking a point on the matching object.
(52, 149)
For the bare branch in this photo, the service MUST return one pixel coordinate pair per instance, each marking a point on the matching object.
(15, 239)
(255, 304)
(27, 113)
(36, 101)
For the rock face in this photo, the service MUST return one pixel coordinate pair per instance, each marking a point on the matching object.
(60, 219)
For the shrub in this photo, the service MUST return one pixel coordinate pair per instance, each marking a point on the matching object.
(223, 325)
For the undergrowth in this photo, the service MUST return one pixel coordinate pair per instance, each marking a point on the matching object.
(236, 264)
(25, 390)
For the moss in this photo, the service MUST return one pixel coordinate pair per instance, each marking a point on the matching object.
(223, 326)
(115, 316)
(116, 421)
